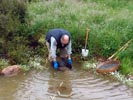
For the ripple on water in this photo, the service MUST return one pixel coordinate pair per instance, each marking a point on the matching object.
(83, 86)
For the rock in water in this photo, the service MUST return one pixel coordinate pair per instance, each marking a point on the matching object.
(11, 70)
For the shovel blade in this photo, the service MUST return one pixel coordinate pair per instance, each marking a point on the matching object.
(85, 52)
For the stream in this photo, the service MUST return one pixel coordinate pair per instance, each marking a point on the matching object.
(77, 84)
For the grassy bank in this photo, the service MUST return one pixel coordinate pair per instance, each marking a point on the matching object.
(110, 22)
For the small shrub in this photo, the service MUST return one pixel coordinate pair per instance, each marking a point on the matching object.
(3, 63)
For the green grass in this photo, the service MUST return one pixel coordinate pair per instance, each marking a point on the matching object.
(126, 67)
(110, 21)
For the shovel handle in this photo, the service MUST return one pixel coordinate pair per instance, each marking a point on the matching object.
(121, 49)
(86, 39)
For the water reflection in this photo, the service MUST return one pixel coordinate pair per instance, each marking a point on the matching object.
(69, 85)
(62, 86)
(9, 86)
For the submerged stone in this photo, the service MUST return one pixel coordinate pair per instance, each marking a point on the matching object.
(11, 70)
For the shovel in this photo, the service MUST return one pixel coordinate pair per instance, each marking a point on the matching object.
(85, 51)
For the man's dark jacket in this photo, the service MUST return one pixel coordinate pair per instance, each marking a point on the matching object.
(57, 34)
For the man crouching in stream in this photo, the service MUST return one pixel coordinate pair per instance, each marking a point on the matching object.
(59, 39)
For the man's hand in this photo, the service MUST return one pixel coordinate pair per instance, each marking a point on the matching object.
(55, 65)
(70, 61)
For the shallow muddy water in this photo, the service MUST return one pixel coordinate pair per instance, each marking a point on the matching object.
(48, 84)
